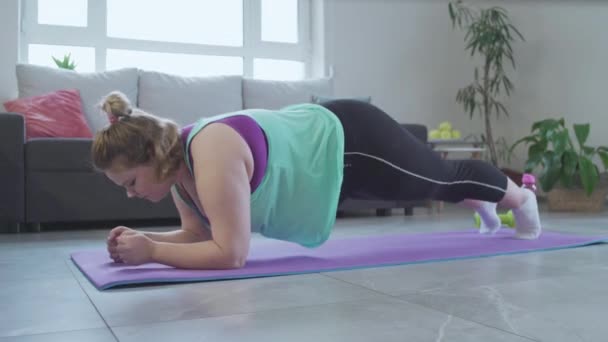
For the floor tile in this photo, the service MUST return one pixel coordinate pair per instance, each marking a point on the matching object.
(43, 268)
(91, 335)
(568, 308)
(366, 320)
(196, 300)
(45, 305)
(399, 280)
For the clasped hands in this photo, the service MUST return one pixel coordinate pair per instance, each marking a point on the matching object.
(129, 246)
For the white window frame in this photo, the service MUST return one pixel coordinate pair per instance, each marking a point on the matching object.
(95, 36)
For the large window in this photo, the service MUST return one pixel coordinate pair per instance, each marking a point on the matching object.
(265, 39)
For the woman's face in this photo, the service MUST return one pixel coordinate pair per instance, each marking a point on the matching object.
(141, 182)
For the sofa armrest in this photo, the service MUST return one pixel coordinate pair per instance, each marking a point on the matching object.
(418, 130)
(12, 169)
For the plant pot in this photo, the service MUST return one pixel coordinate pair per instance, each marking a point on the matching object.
(575, 199)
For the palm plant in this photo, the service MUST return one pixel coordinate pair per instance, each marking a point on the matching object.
(489, 33)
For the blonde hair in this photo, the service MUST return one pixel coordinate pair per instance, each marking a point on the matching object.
(134, 138)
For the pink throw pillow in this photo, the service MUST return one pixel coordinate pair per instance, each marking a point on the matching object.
(54, 115)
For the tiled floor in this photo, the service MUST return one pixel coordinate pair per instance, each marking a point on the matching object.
(547, 296)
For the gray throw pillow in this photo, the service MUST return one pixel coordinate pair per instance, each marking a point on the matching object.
(320, 99)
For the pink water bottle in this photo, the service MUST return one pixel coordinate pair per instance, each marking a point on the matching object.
(529, 181)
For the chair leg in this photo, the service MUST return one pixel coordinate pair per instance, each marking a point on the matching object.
(383, 212)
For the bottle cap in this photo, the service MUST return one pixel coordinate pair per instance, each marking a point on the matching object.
(528, 178)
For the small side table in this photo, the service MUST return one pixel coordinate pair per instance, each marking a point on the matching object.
(474, 151)
(446, 146)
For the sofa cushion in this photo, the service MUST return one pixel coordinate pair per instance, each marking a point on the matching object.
(277, 94)
(54, 115)
(86, 196)
(187, 99)
(33, 80)
(321, 99)
(58, 155)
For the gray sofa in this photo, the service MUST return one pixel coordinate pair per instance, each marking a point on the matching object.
(51, 180)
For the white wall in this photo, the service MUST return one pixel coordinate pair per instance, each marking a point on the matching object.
(395, 50)
(405, 54)
(564, 67)
(9, 32)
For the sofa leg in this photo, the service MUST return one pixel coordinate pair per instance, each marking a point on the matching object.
(408, 211)
(383, 212)
(33, 227)
(10, 227)
(16, 228)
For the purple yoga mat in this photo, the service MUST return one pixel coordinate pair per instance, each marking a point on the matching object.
(272, 258)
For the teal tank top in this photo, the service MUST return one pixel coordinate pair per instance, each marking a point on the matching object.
(297, 198)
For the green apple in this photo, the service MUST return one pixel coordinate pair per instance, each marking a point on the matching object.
(434, 134)
(446, 135)
(456, 134)
(445, 126)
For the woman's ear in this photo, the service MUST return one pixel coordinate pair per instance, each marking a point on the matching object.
(152, 153)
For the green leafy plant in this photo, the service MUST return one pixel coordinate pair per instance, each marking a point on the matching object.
(66, 63)
(502, 150)
(562, 161)
(489, 33)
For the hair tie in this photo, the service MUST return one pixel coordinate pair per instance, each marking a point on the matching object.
(113, 118)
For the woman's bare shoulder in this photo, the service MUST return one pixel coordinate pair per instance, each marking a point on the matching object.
(221, 145)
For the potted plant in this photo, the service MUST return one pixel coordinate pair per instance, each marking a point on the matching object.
(489, 33)
(66, 63)
(568, 172)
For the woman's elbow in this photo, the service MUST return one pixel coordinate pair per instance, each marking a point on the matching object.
(232, 257)
(240, 263)
(235, 262)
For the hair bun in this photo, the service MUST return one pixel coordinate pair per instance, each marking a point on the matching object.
(116, 104)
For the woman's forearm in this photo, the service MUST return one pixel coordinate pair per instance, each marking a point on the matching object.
(198, 255)
(175, 236)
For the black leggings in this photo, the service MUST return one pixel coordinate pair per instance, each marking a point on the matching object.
(383, 160)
